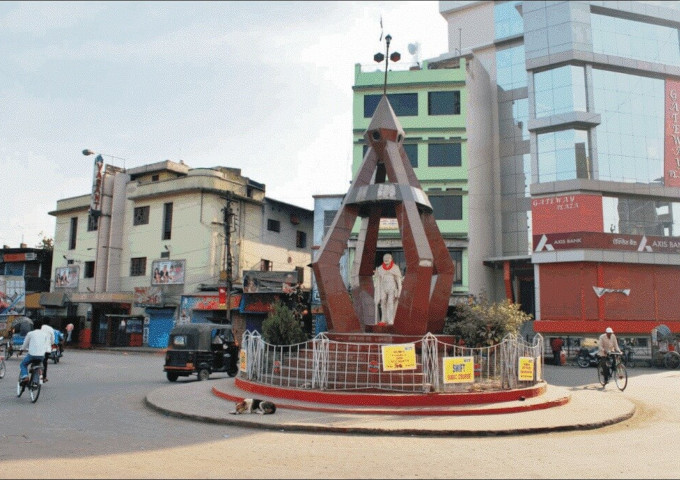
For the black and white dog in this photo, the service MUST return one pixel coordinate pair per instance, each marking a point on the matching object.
(254, 405)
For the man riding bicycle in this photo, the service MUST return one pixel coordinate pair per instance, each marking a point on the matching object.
(606, 345)
(34, 343)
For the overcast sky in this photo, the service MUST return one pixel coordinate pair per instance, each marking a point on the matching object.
(261, 86)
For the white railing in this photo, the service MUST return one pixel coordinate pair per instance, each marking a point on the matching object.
(325, 364)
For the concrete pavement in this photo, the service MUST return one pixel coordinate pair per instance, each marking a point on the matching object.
(559, 409)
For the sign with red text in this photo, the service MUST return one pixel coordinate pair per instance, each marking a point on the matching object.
(399, 357)
(459, 369)
(605, 241)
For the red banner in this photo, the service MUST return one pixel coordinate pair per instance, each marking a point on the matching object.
(567, 213)
(672, 135)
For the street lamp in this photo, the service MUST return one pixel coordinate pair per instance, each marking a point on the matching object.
(87, 152)
(379, 57)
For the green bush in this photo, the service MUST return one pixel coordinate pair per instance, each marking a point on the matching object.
(281, 327)
(483, 323)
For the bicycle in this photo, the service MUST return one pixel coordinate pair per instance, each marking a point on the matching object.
(617, 370)
(3, 367)
(33, 382)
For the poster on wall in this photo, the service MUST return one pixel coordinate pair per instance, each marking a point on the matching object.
(97, 184)
(66, 277)
(12, 295)
(167, 272)
(256, 281)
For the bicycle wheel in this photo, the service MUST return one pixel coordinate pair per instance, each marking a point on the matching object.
(3, 368)
(34, 386)
(621, 376)
(600, 374)
(20, 388)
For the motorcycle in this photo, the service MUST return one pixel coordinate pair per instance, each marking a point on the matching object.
(587, 358)
(56, 353)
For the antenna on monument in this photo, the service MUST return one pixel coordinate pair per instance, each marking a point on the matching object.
(379, 57)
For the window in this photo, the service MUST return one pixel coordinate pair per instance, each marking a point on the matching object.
(300, 239)
(457, 257)
(273, 225)
(266, 265)
(403, 104)
(167, 221)
(560, 90)
(154, 178)
(447, 207)
(563, 155)
(511, 70)
(72, 233)
(443, 155)
(141, 216)
(89, 270)
(92, 222)
(300, 275)
(507, 19)
(138, 267)
(411, 150)
(328, 217)
(443, 103)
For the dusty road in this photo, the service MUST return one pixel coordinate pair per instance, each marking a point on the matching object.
(642, 447)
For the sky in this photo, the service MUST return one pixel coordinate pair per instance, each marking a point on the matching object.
(261, 86)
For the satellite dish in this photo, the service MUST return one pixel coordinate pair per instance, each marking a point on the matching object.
(412, 48)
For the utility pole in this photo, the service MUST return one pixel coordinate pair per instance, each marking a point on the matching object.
(227, 234)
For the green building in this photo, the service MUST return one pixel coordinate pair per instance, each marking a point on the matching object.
(430, 101)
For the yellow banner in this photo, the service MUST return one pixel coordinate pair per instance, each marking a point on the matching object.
(243, 360)
(525, 370)
(399, 357)
(459, 369)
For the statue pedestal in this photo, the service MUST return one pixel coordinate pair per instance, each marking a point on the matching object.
(380, 328)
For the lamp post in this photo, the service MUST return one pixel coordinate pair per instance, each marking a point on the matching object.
(379, 57)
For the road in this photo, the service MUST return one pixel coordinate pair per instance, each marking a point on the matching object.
(90, 422)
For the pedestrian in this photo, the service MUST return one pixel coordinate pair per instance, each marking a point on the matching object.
(556, 345)
(69, 330)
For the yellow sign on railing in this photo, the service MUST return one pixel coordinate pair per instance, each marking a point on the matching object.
(459, 369)
(243, 360)
(399, 357)
(525, 370)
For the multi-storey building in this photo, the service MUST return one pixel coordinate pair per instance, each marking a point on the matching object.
(164, 243)
(582, 158)
(431, 104)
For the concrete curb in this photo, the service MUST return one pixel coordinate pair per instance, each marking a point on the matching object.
(588, 409)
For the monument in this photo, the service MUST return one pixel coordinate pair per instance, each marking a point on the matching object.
(385, 186)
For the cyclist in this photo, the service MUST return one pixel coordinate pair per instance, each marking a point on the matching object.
(49, 341)
(34, 344)
(606, 345)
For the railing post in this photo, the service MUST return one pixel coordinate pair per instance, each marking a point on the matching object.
(320, 346)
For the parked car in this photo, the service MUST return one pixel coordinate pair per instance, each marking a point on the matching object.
(201, 349)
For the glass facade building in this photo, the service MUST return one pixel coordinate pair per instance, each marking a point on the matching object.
(585, 145)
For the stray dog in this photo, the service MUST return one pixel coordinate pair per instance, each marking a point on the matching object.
(254, 405)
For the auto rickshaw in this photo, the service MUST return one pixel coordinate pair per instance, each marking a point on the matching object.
(201, 349)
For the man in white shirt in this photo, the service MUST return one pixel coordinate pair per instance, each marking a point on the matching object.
(49, 341)
(607, 344)
(34, 345)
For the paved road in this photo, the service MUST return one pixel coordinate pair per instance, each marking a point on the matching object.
(134, 442)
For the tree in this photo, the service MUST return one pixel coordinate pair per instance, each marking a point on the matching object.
(46, 243)
(483, 323)
(281, 327)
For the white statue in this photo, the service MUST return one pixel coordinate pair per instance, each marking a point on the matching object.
(387, 281)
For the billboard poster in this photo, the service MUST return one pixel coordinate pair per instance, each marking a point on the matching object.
(66, 277)
(256, 281)
(148, 297)
(167, 272)
(399, 357)
(97, 186)
(12, 295)
(459, 369)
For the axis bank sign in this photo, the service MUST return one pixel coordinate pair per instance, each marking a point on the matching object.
(605, 241)
(672, 135)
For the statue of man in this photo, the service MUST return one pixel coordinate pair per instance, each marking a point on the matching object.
(387, 281)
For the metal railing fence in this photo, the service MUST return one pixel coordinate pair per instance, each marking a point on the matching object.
(325, 364)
